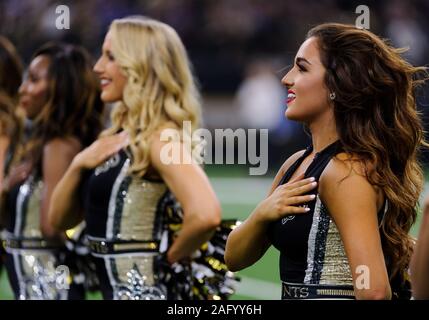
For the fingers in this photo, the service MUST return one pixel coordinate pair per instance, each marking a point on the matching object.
(293, 194)
(109, 145)
(110, 150)
(25, 172)
(301, 189)
(120, 140)
(299, 199)
(291, 210)
(291, 205)
(22, 169)
(123, 134)
(18, 174)
(287, 210)
(115, 144)
(297, 184)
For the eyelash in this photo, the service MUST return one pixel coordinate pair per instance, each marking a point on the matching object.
(301, 69)
(110, 56)
(32, 78)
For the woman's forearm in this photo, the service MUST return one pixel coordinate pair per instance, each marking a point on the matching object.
(196, 230)
(247, 243)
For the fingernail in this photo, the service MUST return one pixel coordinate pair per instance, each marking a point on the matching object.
(307, 209)
(312, 196)
(314, 183)
(312, 179)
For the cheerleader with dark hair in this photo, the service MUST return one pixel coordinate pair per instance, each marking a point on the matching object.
(60, 97)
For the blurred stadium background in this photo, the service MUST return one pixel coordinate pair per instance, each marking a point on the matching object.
(240, 49)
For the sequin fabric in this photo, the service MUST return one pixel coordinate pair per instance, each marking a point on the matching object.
(327, 262)
(133, 216)
(139, 209)
(37, 272)
(145, 210)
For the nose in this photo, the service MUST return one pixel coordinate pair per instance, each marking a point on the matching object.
(98, 67)
(22, 87)
(287, 79)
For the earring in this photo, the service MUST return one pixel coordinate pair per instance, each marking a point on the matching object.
(332, 96)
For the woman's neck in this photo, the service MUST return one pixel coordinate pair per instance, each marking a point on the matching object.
(323, 133)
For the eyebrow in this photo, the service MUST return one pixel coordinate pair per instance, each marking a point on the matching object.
(301, 59)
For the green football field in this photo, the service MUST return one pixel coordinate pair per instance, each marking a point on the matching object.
(239, 193)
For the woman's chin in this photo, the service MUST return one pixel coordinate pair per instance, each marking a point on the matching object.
(108, 98)
(291, 115)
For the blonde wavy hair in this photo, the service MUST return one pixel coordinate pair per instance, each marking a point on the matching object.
(160, 88)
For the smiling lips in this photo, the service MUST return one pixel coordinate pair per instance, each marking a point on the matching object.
(105, 82)
(23, 102)
(290, 96)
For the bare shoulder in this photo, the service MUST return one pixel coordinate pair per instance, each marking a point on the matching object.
(345, 177)
(66, 146)
(343, 166)
(165, 135)
(164, 132)
(58, 153)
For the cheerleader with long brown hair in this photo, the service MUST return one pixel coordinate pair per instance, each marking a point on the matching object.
(340, 211)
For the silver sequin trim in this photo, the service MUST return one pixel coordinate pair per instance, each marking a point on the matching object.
(312, 241)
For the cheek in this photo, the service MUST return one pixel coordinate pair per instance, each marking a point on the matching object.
(122, 81)
(311, 99)
(40, 99)
(42, 93)
(38, 93)
(313, 91)
(118, 77)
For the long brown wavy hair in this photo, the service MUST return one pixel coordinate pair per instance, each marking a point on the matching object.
(73, 107)
(11, 119)
(377, 121)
